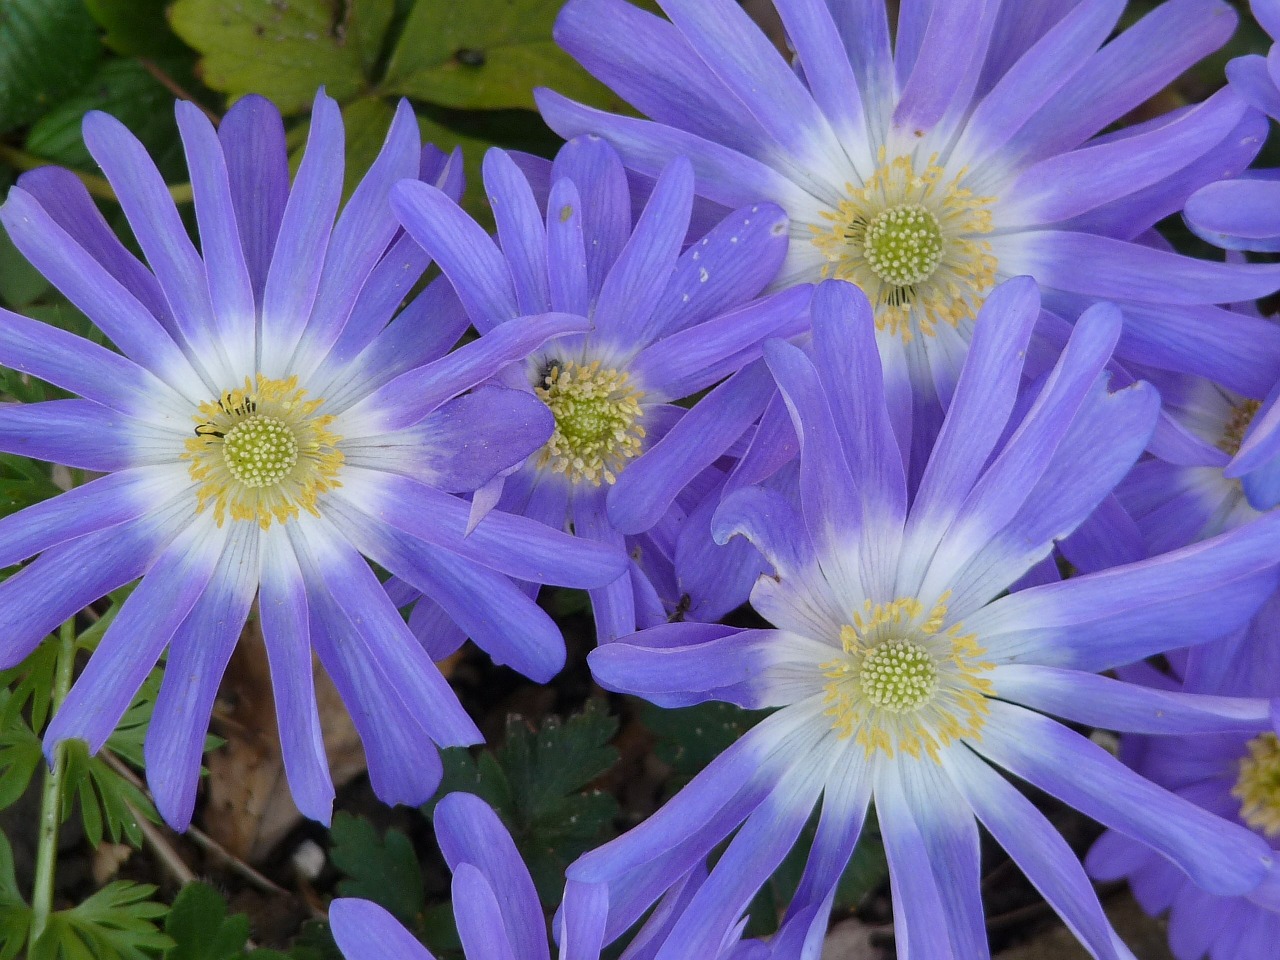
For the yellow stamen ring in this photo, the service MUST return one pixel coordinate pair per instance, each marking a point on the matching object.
(262, 453)
(914, 243)
(905, 683)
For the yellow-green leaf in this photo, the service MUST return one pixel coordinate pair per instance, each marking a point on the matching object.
(485, 54)
(282, 49)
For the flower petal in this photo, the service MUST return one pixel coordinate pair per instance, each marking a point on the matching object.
(365, 931)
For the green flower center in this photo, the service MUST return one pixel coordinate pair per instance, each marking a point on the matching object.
(903, 245)
(1258, 786)
(898, 675)
(260, 451)
(597, 411)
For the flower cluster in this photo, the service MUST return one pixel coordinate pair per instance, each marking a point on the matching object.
(876, 333)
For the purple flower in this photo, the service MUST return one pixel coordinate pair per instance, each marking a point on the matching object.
(1244, 213)
(1235, 775)
(497, 909)
(929, 166)
(264, 423)
(661, 325)
(906, 673)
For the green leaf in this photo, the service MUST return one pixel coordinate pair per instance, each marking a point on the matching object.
(20, 757)
(366, 122)
(15, 915)
(115, 922)
(369, 21)
(690, 738)
(385, 871)
(48, 48)
(282, 49)
(485, 55)
(124, 89)
(136, 28)
(200, 927)
(20, 282)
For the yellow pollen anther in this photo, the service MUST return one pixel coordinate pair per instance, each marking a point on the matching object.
(904, 682)
(1242, 415)
(598, 429)
(1258, 786)
(914, 242)
(262, 453)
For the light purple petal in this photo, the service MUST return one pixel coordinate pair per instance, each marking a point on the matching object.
(365, 931)
(282, 607)
(198, 656)
(470, 833)
(1238, 214)
(1037, 848)
(78, 433)
(646, 489)
(1098, 701)
(1220, 856)
(1102, 620)
(466, 255)
(597, 173)
(298, 260)
(140, 632)
(520, 229)
(632, 288)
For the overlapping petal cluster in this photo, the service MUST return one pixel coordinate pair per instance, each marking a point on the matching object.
(270, 416)
(904, 672)
(929, 163)
(877, 328)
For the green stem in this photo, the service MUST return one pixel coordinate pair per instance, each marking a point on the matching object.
(51, 795)
(96, 185)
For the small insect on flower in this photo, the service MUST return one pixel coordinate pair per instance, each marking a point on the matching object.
(268, 419)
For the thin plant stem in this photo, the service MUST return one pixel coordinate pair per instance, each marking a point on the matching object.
(51, 795)
(96, 185)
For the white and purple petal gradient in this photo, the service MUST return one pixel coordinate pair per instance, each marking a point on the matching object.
(676, 313)
(1010, 100)
(990, 508)
(286, 282)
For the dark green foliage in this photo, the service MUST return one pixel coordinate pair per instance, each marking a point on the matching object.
(536, 780)
(383, 870)
(201, 930)
(48, 48)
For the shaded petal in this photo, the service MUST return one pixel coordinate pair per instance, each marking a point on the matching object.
(1237, 214)
(584, 914)
(596, 172)
(475, 908)
(412, 395)
(724, 175)
(613, 605)
(696, 357)
(257, 160)
(646, 489)
(511, 544)
(521, 231)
